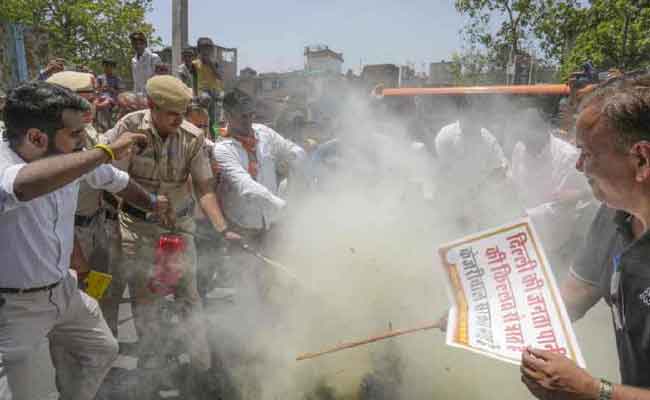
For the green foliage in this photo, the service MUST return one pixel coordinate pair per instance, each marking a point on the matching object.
(610, 33)
(84, 31)
(614, 34)
(556, 26)
(516, 17)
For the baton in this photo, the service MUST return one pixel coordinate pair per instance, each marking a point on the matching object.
(247, 248)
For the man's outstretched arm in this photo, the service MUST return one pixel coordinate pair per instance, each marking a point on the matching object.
(49, 174)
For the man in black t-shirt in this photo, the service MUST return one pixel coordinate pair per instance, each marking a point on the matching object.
(613, 135)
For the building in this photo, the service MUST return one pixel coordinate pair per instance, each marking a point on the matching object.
(247, 72)
(320, 59)
(441, 73)
(384, 74)
(409, 78)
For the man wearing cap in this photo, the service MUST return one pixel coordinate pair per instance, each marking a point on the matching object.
(143, 63)
(209, 82)
(174, 154)
(185, 72)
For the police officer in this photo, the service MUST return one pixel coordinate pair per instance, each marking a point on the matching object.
(174, 154)
(97, 232)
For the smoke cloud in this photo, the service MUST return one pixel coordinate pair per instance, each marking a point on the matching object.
(362, 244)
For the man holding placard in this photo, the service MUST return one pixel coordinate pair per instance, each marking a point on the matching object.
(613, 135)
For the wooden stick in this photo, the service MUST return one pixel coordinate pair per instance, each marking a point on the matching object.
(349, 345)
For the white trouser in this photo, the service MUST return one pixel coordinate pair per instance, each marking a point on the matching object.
(82, 346)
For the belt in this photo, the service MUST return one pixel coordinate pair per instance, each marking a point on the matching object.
(85, 220)
(145, 216)
(30, 290)
(134, 212)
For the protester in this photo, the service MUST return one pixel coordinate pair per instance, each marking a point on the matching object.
(109, 86)
(174, 154)
(40, 171)
(472, 173)
(546, 160)
(198, 116)
(53, 66)
(209, 83)
(555, 195)
(612, 135)
(143, 63)
(185, 71)
(248, 159)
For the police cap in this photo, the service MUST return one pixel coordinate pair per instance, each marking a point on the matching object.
(169, 93)
(75, 81)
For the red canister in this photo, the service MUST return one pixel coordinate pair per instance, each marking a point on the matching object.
(168, 268)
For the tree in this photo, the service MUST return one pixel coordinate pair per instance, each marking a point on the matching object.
(615, 34)
(84, 31)
(556, 27)
(516, 18)
(610, 33)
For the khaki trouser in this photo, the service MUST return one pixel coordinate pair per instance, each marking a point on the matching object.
(81, 345)
(138, 243)
(101, 245)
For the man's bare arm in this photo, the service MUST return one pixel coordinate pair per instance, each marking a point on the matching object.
(210, 205)
(49, 174)
(136, 195)
(578, 296)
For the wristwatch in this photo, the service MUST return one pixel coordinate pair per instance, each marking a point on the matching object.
(606, 390)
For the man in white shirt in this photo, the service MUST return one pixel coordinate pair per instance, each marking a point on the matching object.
(553, 192)
(248, 159)
(40, 172)
(469, 153)
(543, 166)
(143, 63)
(472, 173)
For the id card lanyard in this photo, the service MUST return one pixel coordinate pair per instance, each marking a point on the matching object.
(618, 308)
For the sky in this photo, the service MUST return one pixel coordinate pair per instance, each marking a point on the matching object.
(271, 34)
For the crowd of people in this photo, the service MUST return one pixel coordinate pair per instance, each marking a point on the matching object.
(96, 178)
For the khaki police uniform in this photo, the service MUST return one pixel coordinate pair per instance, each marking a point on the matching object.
(97, 229)
(163, 167)
(96, 223)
